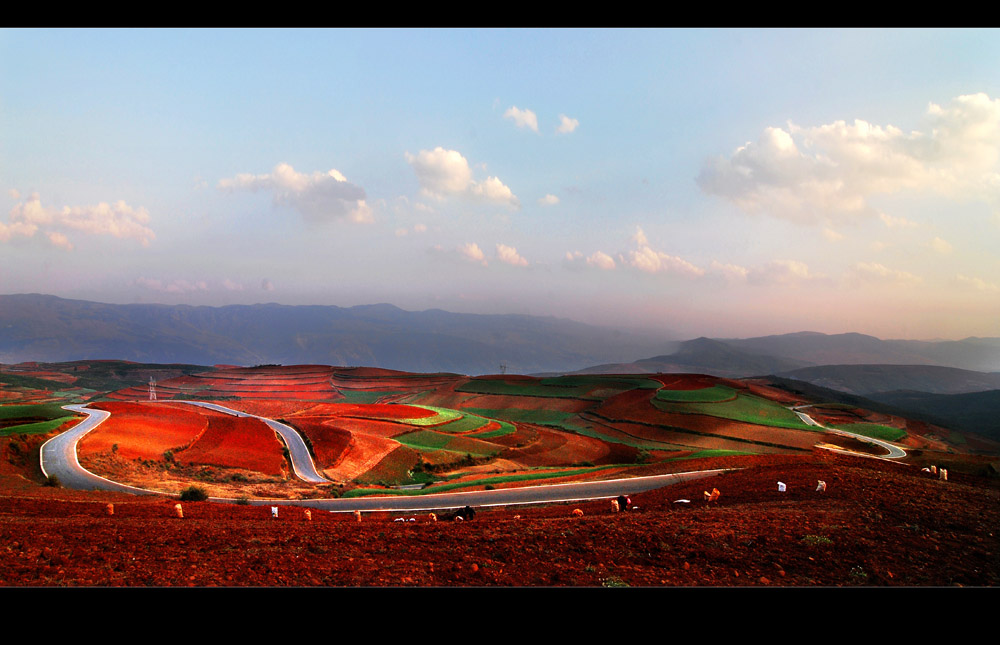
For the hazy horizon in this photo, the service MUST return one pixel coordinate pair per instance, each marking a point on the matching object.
(727, 183)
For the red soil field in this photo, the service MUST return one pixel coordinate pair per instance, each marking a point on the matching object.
(142, 430)
(371, 427)
(236, 442)
(370, 410)
(329, 443)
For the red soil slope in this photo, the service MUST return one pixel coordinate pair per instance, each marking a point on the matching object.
(143, 430)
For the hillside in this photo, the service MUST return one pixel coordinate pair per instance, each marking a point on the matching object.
(376, 432)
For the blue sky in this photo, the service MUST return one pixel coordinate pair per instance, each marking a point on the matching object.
(723, 182)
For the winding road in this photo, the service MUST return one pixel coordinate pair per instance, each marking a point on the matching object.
(302, 463)
(894, 451)
(58, 458)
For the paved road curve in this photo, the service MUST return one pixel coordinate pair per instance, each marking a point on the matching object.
(895, 452)
(302, 462)
(548, 493)
(58, 456)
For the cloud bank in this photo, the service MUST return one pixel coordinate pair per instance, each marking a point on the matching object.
(827, 173)
(116, 220)
(446, 173)
(320, 196)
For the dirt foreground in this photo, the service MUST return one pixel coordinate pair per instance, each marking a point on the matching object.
(877, 524)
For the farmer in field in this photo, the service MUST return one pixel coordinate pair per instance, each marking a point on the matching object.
(623, 502)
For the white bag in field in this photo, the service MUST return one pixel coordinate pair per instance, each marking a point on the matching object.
(274, 511)
(781, 487)
(821, 486)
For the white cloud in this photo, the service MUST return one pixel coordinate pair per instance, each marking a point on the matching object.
(319, 196)
(509, 255)
(473, 253)
(230, 285)
(116, 220)
(940, 246)
(832, 235)
(780, 272)
(60, 240)
(417, 228)
(176, 286)
(266, 285)
(873, 272)
(566, 124)
(445, 173)
(827, 173)
(977, 283)
(732, 272)
(523, 118)
(645, 258)
(896, 222)
(601, 260)
(548, 200)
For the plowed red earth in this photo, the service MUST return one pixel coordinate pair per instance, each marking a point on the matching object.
(237, 442)
(877, 524)
(142, 430)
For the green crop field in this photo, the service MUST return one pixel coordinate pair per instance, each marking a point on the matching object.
(874, 430)
(503, 388)
(715, 394)
(541, 417)
(40, 410)
(621, 383)
(745, 408)
(362, 396)
(40, 427)
(491, 480)
(443, 415)
(505, 429)
(430, 440)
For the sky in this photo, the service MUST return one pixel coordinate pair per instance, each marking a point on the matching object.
(728, 183)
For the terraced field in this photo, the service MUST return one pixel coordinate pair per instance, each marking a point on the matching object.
(367, 427)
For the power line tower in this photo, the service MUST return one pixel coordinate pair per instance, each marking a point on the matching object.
(152, 388)
(503, 367)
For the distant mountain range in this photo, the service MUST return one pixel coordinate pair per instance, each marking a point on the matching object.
(46, 328)
(787, 353)
(932, 378)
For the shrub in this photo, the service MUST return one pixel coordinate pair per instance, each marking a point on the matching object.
(816, 540)
(194, 494)
(242, 501)
(53, 482)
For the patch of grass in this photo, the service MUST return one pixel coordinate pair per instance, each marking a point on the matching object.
(361, 396)
(493, 480)
(702, 454)
(32, 411)
(614, 581)
(542, 417)
(715, 394)
(620, 383)
(745, 407)
(444, 415)
(874, 430)
(431, 440)
(816, 540)
(530, 388)
(467, 423)
(40, 427)
(505, 429)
